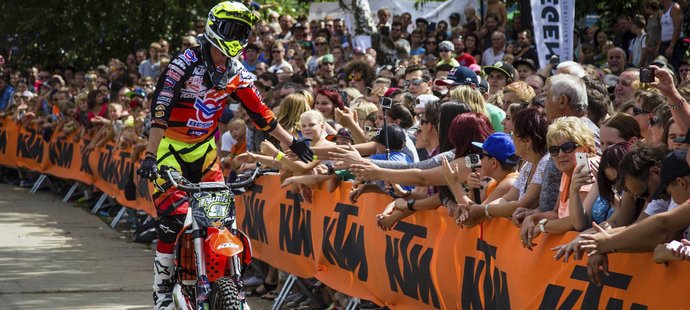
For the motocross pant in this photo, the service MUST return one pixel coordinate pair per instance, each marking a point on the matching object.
(197, 162)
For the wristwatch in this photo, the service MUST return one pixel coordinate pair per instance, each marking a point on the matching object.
(541, 224)
(410, 204)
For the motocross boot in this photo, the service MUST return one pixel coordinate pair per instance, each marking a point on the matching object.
(163, 269)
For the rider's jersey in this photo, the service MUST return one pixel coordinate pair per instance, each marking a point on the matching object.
(187, 106)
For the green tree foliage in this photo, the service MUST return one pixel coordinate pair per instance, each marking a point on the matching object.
(85, 33)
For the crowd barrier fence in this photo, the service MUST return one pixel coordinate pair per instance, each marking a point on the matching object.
(425, 261)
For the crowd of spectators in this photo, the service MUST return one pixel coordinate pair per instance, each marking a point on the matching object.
(469, 85)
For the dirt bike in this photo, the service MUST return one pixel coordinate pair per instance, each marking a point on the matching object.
(210, 252)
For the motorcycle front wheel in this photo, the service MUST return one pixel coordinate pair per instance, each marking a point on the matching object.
(225, 295)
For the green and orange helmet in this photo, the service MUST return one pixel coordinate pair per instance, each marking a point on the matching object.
(228, 26)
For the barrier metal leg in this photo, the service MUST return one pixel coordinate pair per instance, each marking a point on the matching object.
(117, 217)
(284, 292)
(71, 192)
(99, 203)
(38, 183)
(352, 303)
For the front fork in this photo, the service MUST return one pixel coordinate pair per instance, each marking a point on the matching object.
(203, 285)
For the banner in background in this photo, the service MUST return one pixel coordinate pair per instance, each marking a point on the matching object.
(554, 23)
(109, 168)
(433, 11)
(426, 261)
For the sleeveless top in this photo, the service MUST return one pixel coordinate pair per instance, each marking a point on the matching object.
(653, 30)
(667, 26)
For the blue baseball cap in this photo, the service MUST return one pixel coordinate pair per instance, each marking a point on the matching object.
(137, 92)
(500, 146)
(460, 75)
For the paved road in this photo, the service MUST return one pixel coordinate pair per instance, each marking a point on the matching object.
(55, 255)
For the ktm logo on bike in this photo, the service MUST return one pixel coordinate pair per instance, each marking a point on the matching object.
(228, 245)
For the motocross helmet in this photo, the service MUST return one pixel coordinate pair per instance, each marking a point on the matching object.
(228, 26)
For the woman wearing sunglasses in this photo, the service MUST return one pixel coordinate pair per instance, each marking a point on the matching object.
(565, 137)
(359, 75)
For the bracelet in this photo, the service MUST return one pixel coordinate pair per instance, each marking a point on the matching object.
(486, 211)
(677, 106)
(279, 156)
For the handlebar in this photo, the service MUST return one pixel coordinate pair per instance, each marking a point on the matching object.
(173, 176)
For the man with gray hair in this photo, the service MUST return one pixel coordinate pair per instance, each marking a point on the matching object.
(566, 95)
(572, 68)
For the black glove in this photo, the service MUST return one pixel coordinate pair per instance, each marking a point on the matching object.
(301, 148)
(149, 167)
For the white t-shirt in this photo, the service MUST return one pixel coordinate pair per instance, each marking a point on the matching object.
(635, 49)
(226, 142)
(489, 58)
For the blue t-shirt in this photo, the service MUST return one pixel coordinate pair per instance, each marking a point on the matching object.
(6, 96)
(601, 210)
(394, 156)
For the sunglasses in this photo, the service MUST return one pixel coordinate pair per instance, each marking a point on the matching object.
(414, 82)
(370, 128)
(431, 42)
(276, 52)
(355, 77)
(320, 43)
(637, 111)
(444, 50)
(567, 148)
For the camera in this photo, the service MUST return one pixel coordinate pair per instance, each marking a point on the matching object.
(386, 102)
(555, 60)
(647, 75)
(473, 161)
(385, 31)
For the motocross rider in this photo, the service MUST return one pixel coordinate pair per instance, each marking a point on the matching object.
(190, 96)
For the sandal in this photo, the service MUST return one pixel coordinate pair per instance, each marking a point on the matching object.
(270, 295)
(263, 289)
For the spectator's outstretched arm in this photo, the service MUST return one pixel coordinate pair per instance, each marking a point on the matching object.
(642, 236)
(414, 177)
(679, 107)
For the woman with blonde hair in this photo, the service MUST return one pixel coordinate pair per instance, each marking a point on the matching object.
(291, 108)
(517, 92)
(566, 137)
(473, 97)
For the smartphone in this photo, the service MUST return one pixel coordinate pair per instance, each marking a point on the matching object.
(385, 102)
(473, 161)
(581, 159)
(431, 27)
(673, 245)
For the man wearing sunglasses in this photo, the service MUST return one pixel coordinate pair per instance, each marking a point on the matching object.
(190, 96)
(418, 81)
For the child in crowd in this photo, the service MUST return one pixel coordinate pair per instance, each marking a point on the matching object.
(118, 120)
(237, 130)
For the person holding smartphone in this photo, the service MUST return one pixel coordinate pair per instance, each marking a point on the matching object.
(566, 137)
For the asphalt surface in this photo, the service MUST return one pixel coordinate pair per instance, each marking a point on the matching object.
(55, 255)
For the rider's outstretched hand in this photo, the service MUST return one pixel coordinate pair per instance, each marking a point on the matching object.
(301, 148)
(149, 167)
